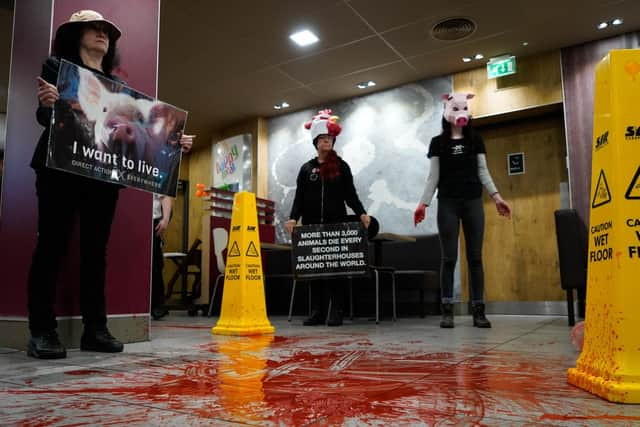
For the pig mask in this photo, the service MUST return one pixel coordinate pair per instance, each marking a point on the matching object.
(456, 108)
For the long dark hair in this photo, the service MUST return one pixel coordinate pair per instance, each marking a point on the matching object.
(467, 131)
(67, 46)
(330, 168)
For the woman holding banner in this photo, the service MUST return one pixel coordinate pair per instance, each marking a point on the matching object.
(87, 40)
(323, 186)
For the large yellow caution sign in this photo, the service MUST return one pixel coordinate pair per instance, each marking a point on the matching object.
(609, 365)
(243, 309)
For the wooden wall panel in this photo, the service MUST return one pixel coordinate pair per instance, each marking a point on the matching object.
(200, 166)
(520, 256)
(200, 172)
(173, 235)
(578, 71)
(537, 82)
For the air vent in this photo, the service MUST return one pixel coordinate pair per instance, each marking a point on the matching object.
(453, 29)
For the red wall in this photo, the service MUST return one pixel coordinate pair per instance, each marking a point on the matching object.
(129, 255)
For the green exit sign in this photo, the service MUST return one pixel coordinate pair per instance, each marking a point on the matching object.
(499, 67)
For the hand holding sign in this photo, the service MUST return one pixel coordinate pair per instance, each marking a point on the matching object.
(366, 220)
(47, 93)
(186, 141)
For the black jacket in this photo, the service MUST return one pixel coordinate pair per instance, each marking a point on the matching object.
(321, 202)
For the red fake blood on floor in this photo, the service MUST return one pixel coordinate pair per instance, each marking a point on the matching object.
(83, 372)
(296, 380)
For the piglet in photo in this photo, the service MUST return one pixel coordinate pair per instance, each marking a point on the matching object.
(121, 122)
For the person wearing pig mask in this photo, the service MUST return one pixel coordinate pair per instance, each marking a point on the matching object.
(89, 41)
(459, 172)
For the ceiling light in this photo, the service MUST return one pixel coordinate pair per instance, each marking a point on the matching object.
(617, 21)
(466, 59)
(602, 25)
(304, 38)
(364, 85)
(282, 105)
(478, 56)
(525, 43)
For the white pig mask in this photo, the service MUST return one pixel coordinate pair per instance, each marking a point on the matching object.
(456, 108)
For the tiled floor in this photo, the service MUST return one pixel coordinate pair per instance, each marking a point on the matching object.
(406, 373)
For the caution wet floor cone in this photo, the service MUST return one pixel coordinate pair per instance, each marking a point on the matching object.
(243, 309)
(609, 365)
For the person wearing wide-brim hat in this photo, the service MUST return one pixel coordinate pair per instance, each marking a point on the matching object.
(88, 40)
(323, 187)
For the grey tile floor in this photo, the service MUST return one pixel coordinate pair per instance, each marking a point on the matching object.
(409, 372)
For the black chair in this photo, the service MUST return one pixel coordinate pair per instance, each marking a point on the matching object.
(187, 265)
(373, 272)
(417, 264)
(573, 245)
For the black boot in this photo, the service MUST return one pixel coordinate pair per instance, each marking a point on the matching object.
(316, 318)
(159, 312)
(100, 340)
(479, 319)
(46, 346)
(447, 316)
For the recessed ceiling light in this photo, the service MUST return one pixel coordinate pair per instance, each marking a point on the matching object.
(617, 21)
(364, 85)
(525, 43)
(602, 25)
(466, 59)
(281, 106)
(304, 38)
(478, 56)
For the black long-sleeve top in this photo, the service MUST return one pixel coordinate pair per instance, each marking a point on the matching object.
(318, 201)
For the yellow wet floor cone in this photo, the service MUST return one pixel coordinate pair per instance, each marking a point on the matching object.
(609, 365)
(243, 309)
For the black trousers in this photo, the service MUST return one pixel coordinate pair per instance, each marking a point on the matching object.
(471, 213)
(324, 290)
(157, 282)
(62, 197)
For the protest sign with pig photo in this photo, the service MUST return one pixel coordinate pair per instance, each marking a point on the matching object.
(107, 131)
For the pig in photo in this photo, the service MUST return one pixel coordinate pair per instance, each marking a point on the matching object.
(108, 131)
(120, 121)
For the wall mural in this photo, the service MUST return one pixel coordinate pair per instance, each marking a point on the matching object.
(385, 137)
